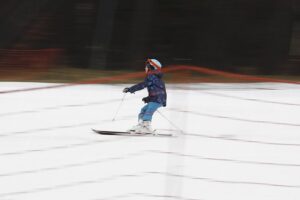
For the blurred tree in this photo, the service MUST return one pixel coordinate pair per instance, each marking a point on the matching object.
(116, 34)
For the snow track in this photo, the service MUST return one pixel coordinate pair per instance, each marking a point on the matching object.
(239, 141)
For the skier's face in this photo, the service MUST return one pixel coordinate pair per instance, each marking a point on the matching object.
(147, 67)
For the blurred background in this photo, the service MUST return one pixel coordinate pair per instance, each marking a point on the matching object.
(53, 40)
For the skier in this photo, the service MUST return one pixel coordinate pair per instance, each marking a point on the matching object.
(156, 98)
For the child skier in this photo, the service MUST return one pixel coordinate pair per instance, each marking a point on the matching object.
(156, 98)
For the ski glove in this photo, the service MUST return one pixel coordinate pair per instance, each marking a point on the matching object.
(146, 99)
(125, 90)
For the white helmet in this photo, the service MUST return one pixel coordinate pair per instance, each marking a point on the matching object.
(154, 63)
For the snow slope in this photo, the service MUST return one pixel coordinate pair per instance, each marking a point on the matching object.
(239, 141)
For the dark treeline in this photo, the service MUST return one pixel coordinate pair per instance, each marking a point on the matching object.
(234, 35)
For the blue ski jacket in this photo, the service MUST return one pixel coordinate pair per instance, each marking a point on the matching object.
(155, 86)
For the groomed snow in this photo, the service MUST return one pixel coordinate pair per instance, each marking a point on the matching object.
(239, 142)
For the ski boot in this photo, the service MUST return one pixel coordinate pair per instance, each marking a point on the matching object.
(136, 127)
(144, 127)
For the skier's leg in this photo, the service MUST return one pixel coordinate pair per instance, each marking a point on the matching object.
(137, 127)
(147, 117)
(149, 110)
(142, 112)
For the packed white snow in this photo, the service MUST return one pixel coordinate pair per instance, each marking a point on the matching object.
(231, 142)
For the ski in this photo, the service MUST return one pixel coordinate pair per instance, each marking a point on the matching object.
(125, 133)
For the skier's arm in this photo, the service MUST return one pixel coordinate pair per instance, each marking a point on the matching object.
(137, 87)
(147, 82)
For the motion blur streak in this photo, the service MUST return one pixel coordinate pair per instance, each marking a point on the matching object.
(169, 69)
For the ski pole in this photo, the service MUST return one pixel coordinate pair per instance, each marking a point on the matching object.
(172, 124)
(114, 118)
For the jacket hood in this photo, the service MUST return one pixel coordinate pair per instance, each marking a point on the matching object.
(157, 73)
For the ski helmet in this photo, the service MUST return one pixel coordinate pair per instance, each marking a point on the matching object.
(154, 64)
